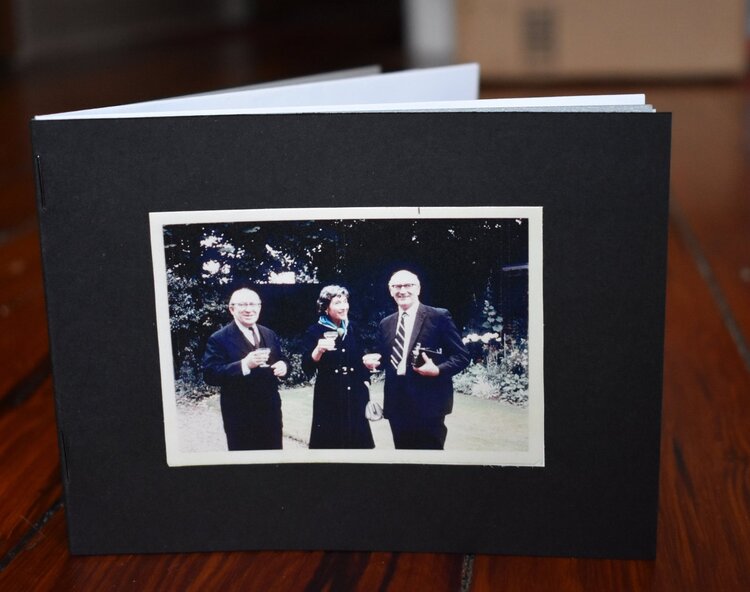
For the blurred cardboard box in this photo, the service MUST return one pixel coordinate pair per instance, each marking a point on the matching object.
(604, 39)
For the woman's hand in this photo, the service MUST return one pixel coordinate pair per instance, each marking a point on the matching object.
(323, 346)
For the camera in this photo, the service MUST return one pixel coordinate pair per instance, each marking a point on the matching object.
(416, 355)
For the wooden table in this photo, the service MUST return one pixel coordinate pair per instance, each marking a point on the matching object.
(704, 520)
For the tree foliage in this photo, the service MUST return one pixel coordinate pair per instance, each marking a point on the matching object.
(459, 261)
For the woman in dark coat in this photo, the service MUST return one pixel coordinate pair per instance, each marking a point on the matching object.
(341, 387)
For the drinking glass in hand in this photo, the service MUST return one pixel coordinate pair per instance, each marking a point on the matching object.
(265, 351)
(370, 360)
(331, 335)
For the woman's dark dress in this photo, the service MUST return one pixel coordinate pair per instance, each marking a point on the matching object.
(340, 395)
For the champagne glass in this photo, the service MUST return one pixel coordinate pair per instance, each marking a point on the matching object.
(266, 351)
(371, 359)
(331, 335)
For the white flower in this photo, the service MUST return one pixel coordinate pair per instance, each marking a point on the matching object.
(209, 241)
(283, 277)
(212, 267)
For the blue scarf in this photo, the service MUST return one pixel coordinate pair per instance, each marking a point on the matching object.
(329, 324)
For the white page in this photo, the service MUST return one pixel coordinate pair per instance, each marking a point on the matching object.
(600, 103)
(448, 83)
(326, 76)
(447, 88)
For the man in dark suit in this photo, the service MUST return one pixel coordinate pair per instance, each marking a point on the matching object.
(245, 360)
(418, 384)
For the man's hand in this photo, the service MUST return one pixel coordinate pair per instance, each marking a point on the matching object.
(254, 359)
(279, 369)
(428, 368)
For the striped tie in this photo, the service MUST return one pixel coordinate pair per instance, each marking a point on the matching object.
(398, 343)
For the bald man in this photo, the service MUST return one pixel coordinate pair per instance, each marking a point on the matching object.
(246, 361)
(418, 388)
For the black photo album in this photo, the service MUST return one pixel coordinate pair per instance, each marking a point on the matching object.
(358, 311)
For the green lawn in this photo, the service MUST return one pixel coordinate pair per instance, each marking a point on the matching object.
(475, 424)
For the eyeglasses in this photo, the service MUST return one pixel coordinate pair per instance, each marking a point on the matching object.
(246, 304)
(402, 286)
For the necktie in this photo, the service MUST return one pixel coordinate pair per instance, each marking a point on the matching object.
(254, 337)
(398, 342)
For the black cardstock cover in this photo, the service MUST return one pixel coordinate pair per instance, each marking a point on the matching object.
(602, 179)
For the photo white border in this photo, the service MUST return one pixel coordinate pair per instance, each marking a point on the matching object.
(534, 456)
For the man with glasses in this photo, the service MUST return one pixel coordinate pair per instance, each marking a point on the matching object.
(421, 351)
(245, 360)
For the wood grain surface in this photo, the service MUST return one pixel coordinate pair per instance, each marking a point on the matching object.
(704, 519)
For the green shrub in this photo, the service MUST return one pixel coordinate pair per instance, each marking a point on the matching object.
(500, 373)
(193, 390)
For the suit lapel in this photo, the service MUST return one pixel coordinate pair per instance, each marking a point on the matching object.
(263, 337)
(239, 340)
(392, 324)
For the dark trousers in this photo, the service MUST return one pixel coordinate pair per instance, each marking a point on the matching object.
(257, 429)
(415, 433)
(411, 430)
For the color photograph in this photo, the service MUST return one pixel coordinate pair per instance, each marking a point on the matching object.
(361, 335)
